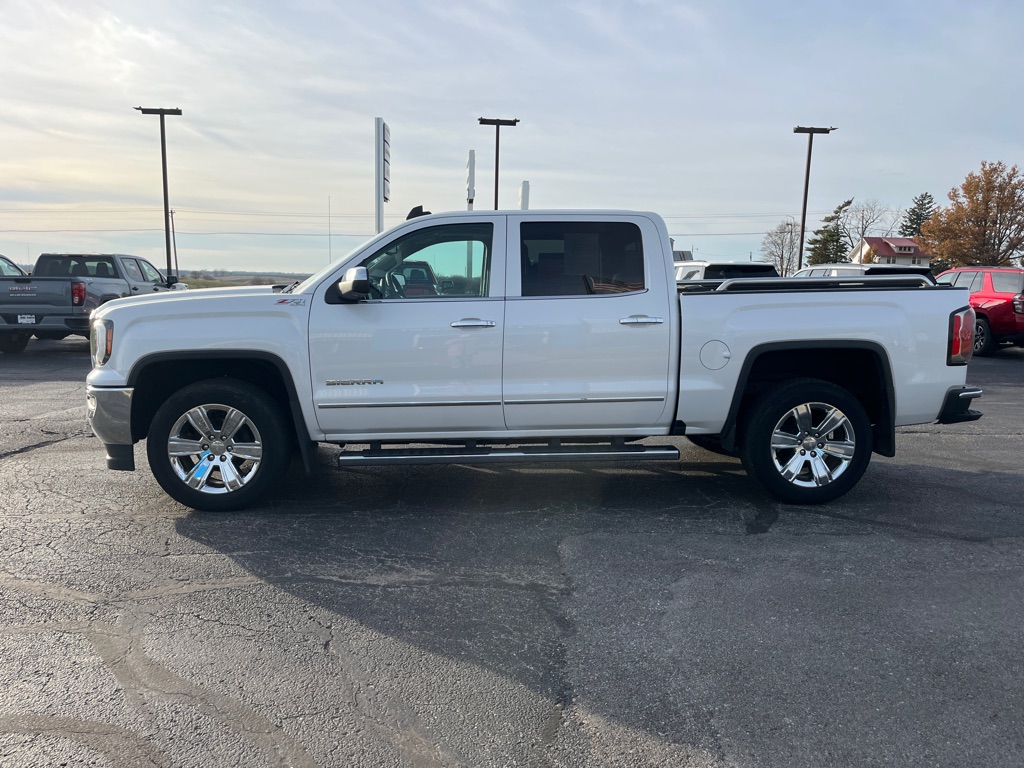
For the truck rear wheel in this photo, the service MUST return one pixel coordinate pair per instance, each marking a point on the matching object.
(12, 343)
(807, 441)
(218, 445)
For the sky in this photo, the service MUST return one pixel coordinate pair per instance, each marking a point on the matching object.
(682, 108)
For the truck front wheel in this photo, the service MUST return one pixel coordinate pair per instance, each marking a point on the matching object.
(807, 441)
(218, 445)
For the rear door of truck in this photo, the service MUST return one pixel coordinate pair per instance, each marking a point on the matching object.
(588, 324)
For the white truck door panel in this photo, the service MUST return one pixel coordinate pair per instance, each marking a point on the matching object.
(588, 326)
(423, 354)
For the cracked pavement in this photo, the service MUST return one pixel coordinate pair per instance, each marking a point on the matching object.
(604, 615)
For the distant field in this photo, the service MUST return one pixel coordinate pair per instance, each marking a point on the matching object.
(218, 279)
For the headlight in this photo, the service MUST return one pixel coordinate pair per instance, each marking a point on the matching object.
(101, 341)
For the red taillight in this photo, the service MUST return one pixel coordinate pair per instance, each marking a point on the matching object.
(78, 294)
(961, 337)
(1018, 303)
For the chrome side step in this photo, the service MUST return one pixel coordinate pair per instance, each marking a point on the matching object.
(518, 454)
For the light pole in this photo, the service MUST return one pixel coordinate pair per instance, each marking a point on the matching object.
(497, 123)
(807, 178)
(163, 158)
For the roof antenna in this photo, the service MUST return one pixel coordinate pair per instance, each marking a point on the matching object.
(417, 211)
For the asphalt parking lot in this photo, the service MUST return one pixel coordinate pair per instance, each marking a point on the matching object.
(605, 615)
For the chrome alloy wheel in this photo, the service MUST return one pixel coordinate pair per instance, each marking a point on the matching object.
(214, 448)
(812, 445)
(980, 336)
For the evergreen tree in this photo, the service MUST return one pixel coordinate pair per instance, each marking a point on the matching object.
(827, 244)
(922, 210)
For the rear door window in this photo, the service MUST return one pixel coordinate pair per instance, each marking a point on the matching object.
(131, 266)
(581, 258)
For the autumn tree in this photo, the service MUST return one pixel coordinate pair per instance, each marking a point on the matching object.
(828, 243)
(917, 214)
(984, 223)
(780, 245)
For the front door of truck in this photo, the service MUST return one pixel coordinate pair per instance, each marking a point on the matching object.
(588, 325)
(423, 354)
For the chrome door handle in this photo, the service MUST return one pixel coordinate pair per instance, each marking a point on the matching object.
(641, 320)
(473, 322)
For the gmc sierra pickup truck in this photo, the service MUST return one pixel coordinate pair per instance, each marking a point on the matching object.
(546, 336)
(56, 299)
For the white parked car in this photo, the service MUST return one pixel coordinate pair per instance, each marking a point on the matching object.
(848, 269)
(722, 270)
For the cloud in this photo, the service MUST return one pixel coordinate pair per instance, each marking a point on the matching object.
(685, 108)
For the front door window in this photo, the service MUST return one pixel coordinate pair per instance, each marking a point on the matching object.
(446, 262)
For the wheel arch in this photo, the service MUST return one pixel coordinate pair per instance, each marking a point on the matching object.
(862, 367)
(156, 377)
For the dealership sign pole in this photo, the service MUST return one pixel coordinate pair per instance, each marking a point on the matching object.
(383, 170)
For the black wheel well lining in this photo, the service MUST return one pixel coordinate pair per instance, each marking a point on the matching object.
(157, 377)
(861, 368)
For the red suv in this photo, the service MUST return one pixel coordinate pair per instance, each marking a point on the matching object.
(997, 295)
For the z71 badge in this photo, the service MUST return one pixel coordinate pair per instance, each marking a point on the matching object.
(292, 302)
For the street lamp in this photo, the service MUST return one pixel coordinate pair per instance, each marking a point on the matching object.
(807, 178)
(163, 158)
(497, 123)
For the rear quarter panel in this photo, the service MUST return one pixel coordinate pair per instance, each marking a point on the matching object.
(911, 325)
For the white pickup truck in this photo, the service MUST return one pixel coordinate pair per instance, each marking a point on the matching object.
(539, 336)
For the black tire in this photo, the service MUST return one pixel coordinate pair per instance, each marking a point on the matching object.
(711, 443)
(13, 343)
(51, 335)
(249, 449)
(984, 344)
(806, 441)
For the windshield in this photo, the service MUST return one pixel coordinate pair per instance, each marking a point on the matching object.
(316, 277)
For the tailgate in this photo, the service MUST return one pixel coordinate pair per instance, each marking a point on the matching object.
(27, 300)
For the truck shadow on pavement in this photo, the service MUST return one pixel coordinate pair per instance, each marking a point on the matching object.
(469, 564)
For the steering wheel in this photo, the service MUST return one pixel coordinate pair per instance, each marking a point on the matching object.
(393, 288)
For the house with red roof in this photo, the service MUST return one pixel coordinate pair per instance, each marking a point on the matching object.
(889, 250)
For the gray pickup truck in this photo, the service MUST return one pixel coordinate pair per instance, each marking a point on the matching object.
(64, 288)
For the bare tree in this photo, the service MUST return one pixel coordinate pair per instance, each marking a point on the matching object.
(870, 217)
(780, 247)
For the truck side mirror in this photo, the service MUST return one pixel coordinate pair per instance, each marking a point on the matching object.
(355, 285)
(171, 280)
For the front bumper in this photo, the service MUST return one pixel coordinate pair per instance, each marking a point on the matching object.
(957, 406)
(109, 412)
